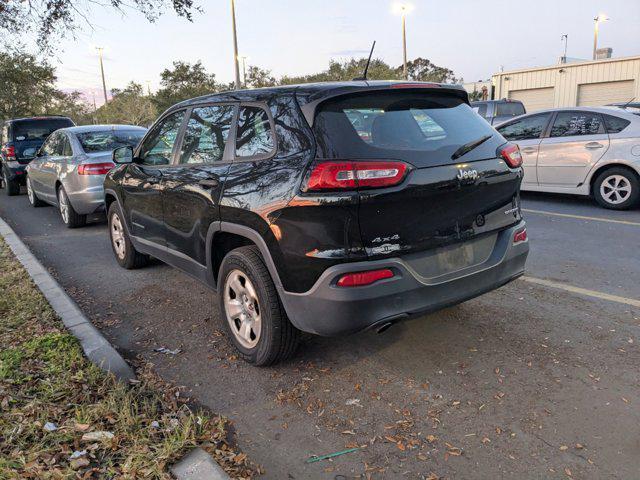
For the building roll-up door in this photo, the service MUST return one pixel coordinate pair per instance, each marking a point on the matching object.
(603, 93)
(534, 98)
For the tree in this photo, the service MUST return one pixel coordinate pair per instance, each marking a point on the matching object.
(182, 82)
(57, 18)
(27, 86)
(259, 78)
(71, 105)
(423, 70)
(347, 70)
(129, 106)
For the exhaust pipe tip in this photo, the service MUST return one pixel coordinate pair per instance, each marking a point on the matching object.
(384, 327)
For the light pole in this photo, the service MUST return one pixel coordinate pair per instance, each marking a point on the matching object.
(244, 69)
(104, 85)
(403, 9)
(235, 44)
(600, 18)
(565, 38)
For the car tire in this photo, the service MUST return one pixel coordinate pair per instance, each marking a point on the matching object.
(31, 195)
(70, 217)
(616, 188)
(252, 311)
(12, 187)
(124, 251)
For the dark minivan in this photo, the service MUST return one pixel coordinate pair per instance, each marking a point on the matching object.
(328, 208)
(21, 138)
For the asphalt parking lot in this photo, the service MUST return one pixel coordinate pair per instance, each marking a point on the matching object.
(539, 379)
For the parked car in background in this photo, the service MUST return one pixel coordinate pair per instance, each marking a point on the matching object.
(20, 139)
(328, 208)
(498, 111)
(70, 167)
(580, 150)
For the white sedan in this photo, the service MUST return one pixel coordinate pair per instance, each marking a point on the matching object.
(582, 151)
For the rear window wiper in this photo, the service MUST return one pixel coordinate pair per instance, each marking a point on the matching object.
(467, 147)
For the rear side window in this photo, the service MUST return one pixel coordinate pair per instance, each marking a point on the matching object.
(254, 136)
(206, 134)
(570, 124)
(64, 146)
(38, 129)
(509, 109)
(615, 124)
(526, 128)
(414, 126)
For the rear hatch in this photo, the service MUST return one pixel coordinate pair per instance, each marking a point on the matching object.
(28, 135)
(450, 201)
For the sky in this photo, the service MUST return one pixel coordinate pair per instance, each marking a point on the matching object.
(473, 38)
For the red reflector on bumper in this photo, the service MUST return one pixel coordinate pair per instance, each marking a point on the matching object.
(360, 279)
(520, 236)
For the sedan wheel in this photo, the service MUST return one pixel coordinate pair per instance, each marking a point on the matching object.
(242, 309)
(70, 217)
(31, 195)
(63, 203)
(615, 189)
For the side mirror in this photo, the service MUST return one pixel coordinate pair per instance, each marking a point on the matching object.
(123, 155)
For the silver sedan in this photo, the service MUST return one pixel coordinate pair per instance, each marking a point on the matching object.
(69, 169)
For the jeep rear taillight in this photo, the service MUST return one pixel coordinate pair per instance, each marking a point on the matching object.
(511, 154)
(95, 168)
(352, 175)
(520, 236)
(9, 152)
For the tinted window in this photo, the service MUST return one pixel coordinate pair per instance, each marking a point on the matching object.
(526, 128)
(64, 146)
(107, 140)
(206, 134)
(38, 129)
(615, 124)
(254, 136)
(423, 126)
(158, 146)
(50, 146)
(569, 124)
(510, 109)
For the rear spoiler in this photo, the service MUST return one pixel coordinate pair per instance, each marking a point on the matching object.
(309, 104)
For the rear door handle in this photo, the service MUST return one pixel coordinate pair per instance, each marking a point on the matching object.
(209, 183)
(593, 145)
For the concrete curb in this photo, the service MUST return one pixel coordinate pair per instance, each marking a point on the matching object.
(95, 346)
(198, 465)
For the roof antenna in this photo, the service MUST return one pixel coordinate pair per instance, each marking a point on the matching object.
(366, 67)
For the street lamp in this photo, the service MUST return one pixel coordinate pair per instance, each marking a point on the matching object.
(104, 85)
(244, 69)
(600, 18)
(235, 44)
(403, 9)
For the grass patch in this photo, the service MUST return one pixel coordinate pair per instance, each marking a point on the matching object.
(54, 402)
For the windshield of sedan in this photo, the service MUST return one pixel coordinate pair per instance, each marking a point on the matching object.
(107, 140)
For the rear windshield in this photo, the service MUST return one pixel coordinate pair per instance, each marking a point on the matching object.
(107, 140)
(411, 126)
(38, 129)
(510, 109)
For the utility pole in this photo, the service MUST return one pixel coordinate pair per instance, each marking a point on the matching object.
(235, 44)
(104, 85)
(565, 37)
(244, 70)
(596, 22)
(404, 43)
(148, 88)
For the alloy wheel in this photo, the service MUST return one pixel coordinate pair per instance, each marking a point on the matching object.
(615, 189)
(63, 203)
(242, 308)
(30, 194)
(117, 236)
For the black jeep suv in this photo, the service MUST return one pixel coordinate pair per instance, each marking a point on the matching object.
(20, 139)
(328, 208)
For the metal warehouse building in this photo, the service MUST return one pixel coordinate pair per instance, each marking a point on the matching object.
(588, 83)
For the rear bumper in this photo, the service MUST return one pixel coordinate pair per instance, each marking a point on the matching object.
(330, 310)
(87, 200)
(15, 171)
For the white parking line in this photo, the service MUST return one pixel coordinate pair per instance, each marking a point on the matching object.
(583, 291)
(581, 217)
